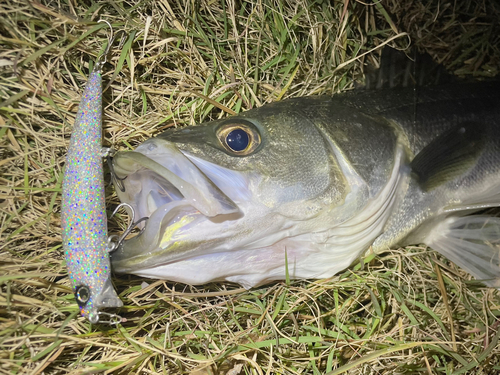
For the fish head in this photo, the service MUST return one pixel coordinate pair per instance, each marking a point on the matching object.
(225, 193)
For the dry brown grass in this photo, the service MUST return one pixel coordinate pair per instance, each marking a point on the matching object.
(390, 317)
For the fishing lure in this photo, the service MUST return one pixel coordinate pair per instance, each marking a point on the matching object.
(84, 224)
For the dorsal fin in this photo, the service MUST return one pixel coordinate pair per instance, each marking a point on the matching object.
(397, 70)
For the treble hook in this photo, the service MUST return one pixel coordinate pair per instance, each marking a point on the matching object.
(104, 57)
(112, 244)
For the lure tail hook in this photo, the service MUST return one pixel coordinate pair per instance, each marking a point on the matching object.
(115, 241)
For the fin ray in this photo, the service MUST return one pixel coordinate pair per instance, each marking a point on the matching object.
(473, 243)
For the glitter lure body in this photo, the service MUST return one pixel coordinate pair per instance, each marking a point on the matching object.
(83, 214)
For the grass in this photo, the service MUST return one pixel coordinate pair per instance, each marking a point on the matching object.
(408, 311)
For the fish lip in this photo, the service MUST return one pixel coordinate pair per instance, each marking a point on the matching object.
(147, 172)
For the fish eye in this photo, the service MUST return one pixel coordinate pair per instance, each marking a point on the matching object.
(240, 138)
(82, 294)
(237, 140)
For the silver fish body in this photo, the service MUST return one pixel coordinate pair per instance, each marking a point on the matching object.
(323, 180)
(83, 213)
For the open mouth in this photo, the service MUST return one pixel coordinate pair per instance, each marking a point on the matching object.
(160, 183)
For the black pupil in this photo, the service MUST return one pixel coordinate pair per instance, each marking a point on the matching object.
(237, 140)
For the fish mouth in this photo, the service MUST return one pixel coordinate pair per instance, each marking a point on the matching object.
(169, 188)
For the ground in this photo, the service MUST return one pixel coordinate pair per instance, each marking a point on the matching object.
(408, 311)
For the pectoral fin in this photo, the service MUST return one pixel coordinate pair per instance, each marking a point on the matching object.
(449, 155)
(472, 242)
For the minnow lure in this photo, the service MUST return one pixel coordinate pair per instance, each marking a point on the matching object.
(83, 214)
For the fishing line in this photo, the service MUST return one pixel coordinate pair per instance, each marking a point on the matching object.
(415, 94)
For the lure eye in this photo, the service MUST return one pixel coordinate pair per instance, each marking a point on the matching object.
(82, 295)
(240, 138)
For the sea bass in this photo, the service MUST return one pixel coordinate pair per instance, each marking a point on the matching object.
(313, 183)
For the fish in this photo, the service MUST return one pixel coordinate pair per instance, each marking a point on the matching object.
(83, 210)
(303, 187)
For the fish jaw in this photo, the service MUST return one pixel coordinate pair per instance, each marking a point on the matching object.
(163, 185)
